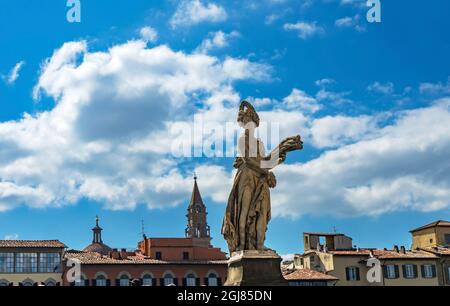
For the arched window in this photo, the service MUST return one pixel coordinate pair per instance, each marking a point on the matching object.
(169, 279)
(124, 281)
(212, 280)
(147, 280)
(50, 283)
(28, 283)
(81, 282)
(100, 281)
(4, 283)
(191, 280)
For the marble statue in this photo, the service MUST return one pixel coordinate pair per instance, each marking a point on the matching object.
(248, 210)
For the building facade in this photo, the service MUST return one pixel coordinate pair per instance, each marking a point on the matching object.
(425, 264)
(188, 261)
(31, 263)
(435, 238)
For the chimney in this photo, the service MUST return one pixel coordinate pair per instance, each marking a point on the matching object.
(396, 248)
(115, 254)
(402, 249)
(123, 254)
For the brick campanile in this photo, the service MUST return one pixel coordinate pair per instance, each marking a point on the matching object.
(197, 226)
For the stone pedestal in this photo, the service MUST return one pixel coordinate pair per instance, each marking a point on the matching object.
(255, 268)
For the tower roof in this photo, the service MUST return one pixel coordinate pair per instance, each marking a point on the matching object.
(196, 197)
(437, 223)
(97, 244)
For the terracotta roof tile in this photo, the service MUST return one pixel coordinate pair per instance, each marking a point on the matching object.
(31, 244)
(308, 275)
(432, 224)
(93, 258)
(438, 250)
(384, 254)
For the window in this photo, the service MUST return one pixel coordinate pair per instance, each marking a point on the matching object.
(352, 273)
(100, 281)
(212, 280)
(81, 282)
(409, 271)
(28, 283)
(190, 280)
(50, 283)
(6, 262)
(147, 280)
(124, 281)
(158, 255)
(49, 262)
(447, 239)
(428, 271)
(185, 255)
(26, 262)
(391, 271)
(4, 283)
(168, 279)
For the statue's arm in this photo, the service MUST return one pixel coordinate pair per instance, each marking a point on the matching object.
(278, 155)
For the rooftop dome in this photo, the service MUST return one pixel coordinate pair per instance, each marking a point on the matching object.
(97, 244)
(100, 248)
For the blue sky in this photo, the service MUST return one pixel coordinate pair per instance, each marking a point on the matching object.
(85, 108)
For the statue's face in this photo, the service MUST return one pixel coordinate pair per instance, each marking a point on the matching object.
(243, 119)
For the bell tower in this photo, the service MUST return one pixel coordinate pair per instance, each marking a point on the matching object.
(197, 226)
(97, 232)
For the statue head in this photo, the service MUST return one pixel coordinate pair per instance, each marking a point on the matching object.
(247, 115)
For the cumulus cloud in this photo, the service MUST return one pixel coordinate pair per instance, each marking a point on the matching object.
(108, 105)
(305, 30)
(435, 88)
(217, 40)
(107, 137)
(14, 74)
(403, 166)
(191, 12)
(334, 131)
(148, 34)
(350, 22)
(383, 88)
(300, 100)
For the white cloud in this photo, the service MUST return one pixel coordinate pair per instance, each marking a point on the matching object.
(299, 100)
(350, 22)
(14, 74)
(337, 98)
(435, 88)
(111, 106)
(305, 29)
(334, 131)
(324, 82)
(217, 40)
(383, 88)
(403, 166)
(148, 34)
(191, 12)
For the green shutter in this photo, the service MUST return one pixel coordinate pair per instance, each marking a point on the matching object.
(415, 271)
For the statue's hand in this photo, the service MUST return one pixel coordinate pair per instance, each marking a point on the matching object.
(271, 180)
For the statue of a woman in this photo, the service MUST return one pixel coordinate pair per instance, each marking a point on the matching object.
(248, 211)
